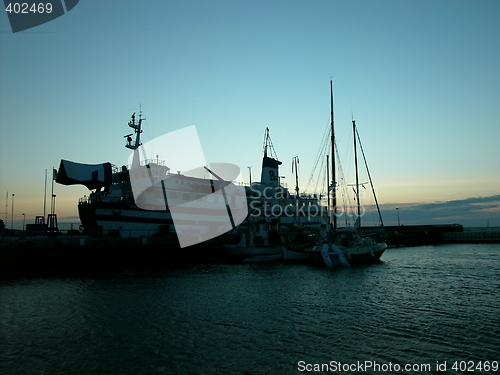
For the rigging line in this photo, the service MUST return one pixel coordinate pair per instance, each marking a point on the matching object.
(370, 178)
(319, 156)
(322, 174)
(343, 187)
(341, 182)
(145, 125)
(321, 152)
(319, 179)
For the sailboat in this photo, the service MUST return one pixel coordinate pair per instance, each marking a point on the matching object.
(348, 246)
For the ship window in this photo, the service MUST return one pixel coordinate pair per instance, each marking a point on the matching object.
(172, 195)
(185, 196)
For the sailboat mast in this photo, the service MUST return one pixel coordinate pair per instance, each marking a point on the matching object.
(328, 188)
(333, 187)
(356, 168)
(295, 165)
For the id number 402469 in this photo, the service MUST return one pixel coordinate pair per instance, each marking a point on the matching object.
(463, 366)
(25, 8)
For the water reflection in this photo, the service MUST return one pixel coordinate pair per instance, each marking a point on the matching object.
(417, 306)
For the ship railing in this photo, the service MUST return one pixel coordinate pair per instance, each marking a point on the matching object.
(309, 197)
(145, 162)
(153, 161)
(239, 183)
(92, 198)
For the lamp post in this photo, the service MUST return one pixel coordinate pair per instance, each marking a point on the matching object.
(24, 221)
(12, 214)
(6, 207)
(399, 223)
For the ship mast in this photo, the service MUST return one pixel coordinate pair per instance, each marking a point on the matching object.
(137, 129)
(268, 144)
(333, 185)
(357, 179)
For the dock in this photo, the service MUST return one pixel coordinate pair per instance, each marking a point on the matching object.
(65, 255)
(419, 235)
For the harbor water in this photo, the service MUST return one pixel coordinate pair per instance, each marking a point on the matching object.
(429, 305)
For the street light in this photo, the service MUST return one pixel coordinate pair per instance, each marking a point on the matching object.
(12, 215)
(397, 209)
(24, 221)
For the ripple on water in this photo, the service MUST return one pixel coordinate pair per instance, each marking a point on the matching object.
(420, 305)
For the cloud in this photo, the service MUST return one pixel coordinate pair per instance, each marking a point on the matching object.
(473, 211)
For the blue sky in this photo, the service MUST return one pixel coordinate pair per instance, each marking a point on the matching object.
(422, 80)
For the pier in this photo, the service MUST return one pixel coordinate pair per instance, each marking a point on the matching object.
(418, 235)
(73, 254)
(66, 255)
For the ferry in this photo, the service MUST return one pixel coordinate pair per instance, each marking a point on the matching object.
(146, 199)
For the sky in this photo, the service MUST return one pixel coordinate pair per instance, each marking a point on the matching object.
(421, 79)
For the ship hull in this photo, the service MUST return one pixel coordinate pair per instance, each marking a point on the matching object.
(127, 220)
(366, 258)
(123, 219)
(347, 256)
